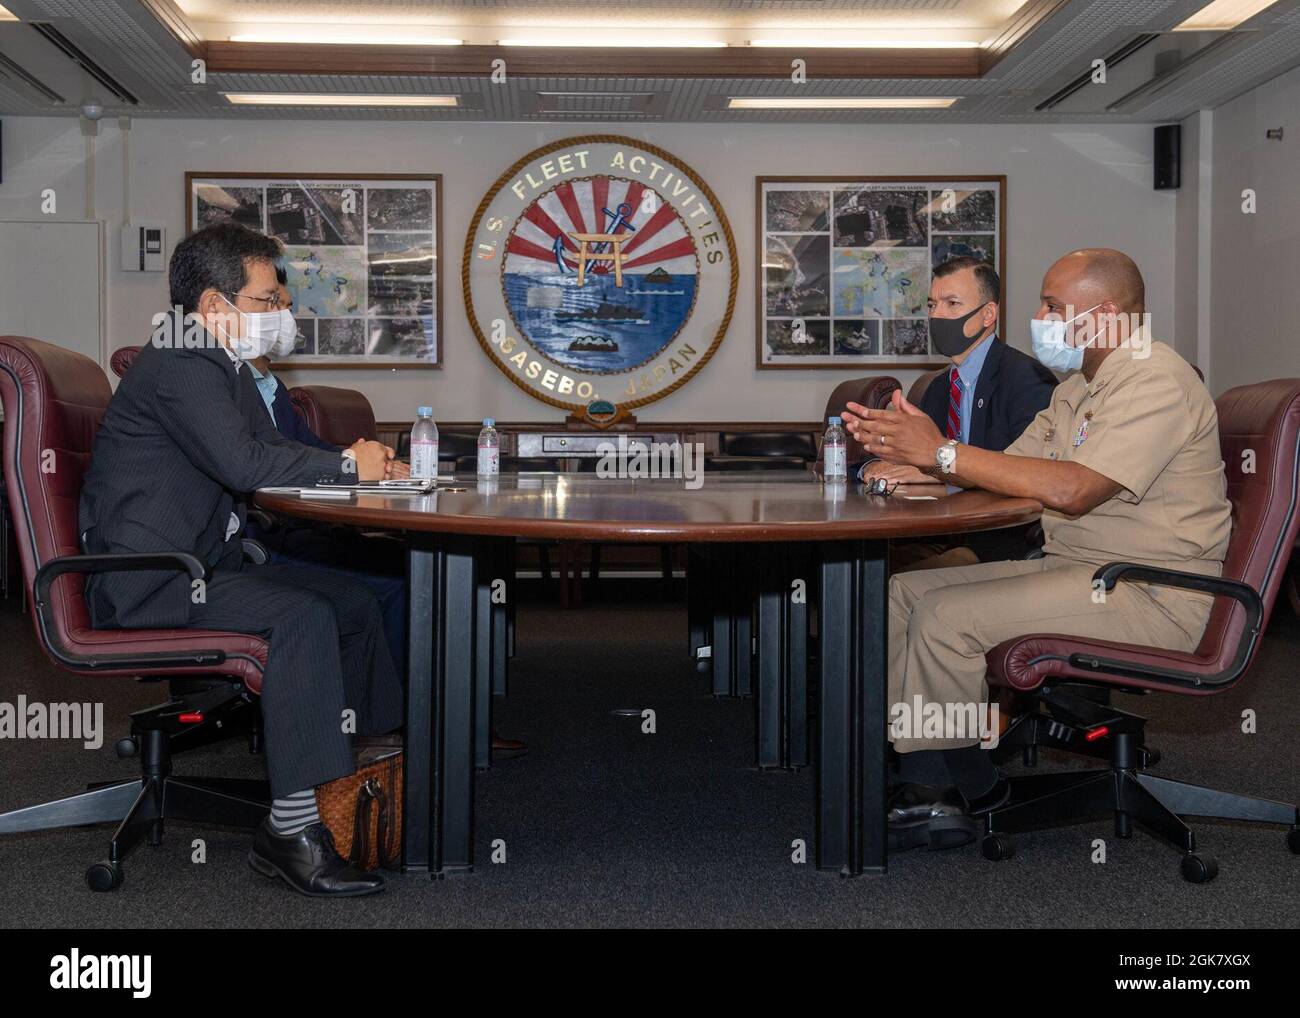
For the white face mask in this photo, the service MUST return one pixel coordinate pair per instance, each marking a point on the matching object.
(287, 338)
(1048, 341)
(261, 332)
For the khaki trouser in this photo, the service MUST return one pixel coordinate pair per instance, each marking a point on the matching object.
(942, 621)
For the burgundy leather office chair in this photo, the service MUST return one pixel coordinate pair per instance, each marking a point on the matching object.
(338, 416)
(874, 392)
(1063, 675)
(123, 357)
(53, 401)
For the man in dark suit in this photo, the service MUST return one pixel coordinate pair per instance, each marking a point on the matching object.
(986, 399)
(185, 438)
(378, 562)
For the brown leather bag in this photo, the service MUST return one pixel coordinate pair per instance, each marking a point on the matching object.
(363, 811)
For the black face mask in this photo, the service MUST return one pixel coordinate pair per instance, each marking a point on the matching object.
(949, 334)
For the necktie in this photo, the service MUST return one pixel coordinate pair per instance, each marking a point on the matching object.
(954, 405)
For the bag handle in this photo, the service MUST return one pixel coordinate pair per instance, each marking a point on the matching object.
(366, 794)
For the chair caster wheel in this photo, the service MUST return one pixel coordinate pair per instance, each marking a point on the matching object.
(128, 747)
(1199, 869)
(105, 876)
(997, 847)
(1293, 840)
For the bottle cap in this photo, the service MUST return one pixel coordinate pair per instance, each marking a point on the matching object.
(489, 422)
(425, 411)
(833, 420)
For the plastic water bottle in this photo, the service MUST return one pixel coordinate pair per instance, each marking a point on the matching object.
(835, 452)
(489, 450)
(424, 446)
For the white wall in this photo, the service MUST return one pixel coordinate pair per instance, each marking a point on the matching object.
(1067, 187)
(1255, 257)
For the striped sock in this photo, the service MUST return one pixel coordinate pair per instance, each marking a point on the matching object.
(294, 812)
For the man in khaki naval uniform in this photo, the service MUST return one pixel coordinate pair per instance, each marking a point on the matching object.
(1125, 460)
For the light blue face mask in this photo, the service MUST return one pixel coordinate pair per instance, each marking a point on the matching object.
(1050, 347)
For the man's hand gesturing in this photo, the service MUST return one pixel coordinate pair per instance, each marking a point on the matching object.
(901, 434)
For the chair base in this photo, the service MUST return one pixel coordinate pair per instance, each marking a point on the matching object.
(1123, 789)
(140, 807)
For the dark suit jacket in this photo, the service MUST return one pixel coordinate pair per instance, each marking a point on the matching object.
(1011, 389)
(184, 439)
(290, 425)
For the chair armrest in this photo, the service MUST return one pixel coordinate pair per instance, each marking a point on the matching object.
(127, 561)
(53, 569)
(1242, 593)
(254, 552)
(266, 523)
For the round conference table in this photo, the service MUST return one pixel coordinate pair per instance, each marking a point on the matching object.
(768, 533)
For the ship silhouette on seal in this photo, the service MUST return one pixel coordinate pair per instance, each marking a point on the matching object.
(606, 312)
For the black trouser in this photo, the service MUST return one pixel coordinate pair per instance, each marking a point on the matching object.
(326, 654)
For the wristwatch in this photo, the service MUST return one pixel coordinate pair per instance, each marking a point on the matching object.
(945, 457)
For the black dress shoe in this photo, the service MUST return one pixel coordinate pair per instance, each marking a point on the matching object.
(990, 800)
(919, 815)
(309, 863)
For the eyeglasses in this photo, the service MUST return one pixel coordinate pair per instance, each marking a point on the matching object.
(271, 302)
(880, 486)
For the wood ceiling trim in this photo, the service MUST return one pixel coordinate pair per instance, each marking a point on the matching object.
(172, 18)
(1021, 25)
(527, 61)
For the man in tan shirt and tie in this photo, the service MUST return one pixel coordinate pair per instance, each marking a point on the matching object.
(1126, 462)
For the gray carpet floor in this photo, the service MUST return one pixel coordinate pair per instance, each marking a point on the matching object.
(606, 826)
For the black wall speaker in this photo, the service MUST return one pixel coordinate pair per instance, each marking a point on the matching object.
(1169, 151)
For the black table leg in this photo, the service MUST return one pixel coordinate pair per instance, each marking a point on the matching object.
(852, 630)
(698, 590)
(484, 651)
(453, 729)
(493, 589)
(768, 701)
(423, 570)
(439, 759)
(799, 566)
(503, 640)
(731, 606)
(781, 701)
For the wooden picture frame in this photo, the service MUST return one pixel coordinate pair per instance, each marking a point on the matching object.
(856, 324)
(355, 307)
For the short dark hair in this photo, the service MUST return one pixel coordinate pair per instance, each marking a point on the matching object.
(986, 276)
(216, 258)
(281, 274)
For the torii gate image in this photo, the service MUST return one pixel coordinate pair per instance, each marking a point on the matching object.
(592, 246)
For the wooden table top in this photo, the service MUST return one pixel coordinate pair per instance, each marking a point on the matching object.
(766, 506)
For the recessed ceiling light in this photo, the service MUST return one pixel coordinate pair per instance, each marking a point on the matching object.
(1223, 15)
(867, 43)
(595, 40)
(350, 40)
(316, 99)
(873, 102)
